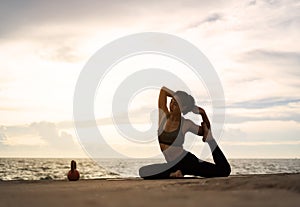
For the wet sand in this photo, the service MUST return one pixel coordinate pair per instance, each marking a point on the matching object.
(246, 190)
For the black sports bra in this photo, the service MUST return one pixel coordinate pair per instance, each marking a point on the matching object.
(175, 138)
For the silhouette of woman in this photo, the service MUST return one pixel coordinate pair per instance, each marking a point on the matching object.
(171, 132)
(73, 174)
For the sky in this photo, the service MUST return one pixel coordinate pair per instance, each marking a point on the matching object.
(252, 45)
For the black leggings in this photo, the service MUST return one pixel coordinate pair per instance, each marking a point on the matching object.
(189, 164)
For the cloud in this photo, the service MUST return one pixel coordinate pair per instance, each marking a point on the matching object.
(264, 103)
(289, 111)
(262, 143)
(273, 2)
(252, 2)
(208, 19)
(2, 137)
(61, 53)
(8, 108)
(276, 73)
(36, 134)
(59, 31)
(213, 17)
(38, 139)
(16, 16)
(289, 60)
(262, 131)
(237, 119)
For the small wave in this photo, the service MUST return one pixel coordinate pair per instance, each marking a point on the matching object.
(17, 178)
(45, 168)
(47, 178)
(112, 173)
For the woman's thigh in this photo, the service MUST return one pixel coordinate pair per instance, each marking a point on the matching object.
(156, 171)
(191, 165)
(207, 169)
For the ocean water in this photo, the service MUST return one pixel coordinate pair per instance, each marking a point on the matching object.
(57, 169)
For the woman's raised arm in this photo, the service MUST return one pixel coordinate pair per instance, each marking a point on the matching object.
(194, 128)
(201, 111)
(162, 101)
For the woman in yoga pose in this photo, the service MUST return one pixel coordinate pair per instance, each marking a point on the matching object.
(171, 131)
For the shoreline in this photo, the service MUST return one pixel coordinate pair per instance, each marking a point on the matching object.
(237, 190)
(138, 178)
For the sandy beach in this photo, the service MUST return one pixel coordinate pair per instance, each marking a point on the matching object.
(245, 190)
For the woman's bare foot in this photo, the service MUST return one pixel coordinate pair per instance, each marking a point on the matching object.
(177, 174)
(207, 136)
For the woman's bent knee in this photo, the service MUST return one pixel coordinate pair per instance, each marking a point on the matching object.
(226, 170)
(147, 172)
(143, 172)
